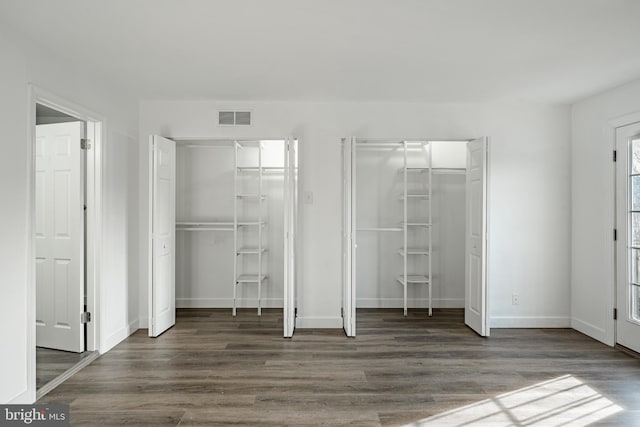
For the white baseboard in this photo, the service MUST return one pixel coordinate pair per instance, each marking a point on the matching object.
(227, 303)
(118, 336)
(322, 322)
(530, 322)
(411, 303)
(591, 330)
(27, 397)
(133, 326)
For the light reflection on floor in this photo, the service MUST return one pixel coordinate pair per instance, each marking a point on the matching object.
(562, 401)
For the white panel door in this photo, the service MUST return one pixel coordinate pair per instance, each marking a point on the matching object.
(290, 241)
(163, 219)
(475, 304)
(59, 236)
(349, 237)
(628, 242)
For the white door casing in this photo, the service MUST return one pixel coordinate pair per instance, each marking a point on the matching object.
(349, 237)
(627, 244)
(162, 297)
(59, 234)
(475, 312)
(290, 241)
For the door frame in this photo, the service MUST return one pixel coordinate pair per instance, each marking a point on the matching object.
(612, 222)
(291, 220)
(487, 213)
(96, 132)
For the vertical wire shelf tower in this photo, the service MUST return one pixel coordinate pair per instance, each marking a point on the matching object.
(245, 225)
(413, 228)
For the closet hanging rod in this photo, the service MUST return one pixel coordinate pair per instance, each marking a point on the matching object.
(449, 171)
(434, 169)
(417, 224)
(264, 168)
(379, 229)
(203, 229)
(204, 223)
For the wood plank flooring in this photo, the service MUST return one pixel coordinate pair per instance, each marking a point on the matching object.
(215, 370)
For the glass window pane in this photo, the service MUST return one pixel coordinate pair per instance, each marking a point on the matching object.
(635, 156)
(635, 265)
(635, 302)
(635, 193)
(635, 229)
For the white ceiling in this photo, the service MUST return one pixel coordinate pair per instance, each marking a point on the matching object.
(355, 50)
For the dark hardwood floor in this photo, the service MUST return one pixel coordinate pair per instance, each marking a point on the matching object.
(211, 369)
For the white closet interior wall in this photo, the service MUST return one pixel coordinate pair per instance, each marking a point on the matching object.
(379, 183)
(205, 192)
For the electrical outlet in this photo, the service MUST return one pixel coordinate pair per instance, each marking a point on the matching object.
(515, 299)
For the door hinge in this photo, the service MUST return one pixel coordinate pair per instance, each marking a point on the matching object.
(615, 234)
(85, 317)
(85, 143)
(615, 314)
(295, 312)
(342, 312)
(615, 155)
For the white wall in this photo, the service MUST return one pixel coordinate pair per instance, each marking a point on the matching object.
(448, 244)
(529, 198)
(592, 273)
(23, 63)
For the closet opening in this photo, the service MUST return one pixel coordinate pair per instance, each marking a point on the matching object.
(223, 227)
(414, 229)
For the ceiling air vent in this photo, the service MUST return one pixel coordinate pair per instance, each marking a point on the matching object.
(234, 118)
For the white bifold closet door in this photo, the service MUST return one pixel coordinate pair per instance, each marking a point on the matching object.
(59, 234)
(475, 311)
(290, 241)
(349, 237)
(162, 298)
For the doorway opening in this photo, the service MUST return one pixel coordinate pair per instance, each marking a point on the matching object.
(64, 173)
(415, 230)
(627, 249)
